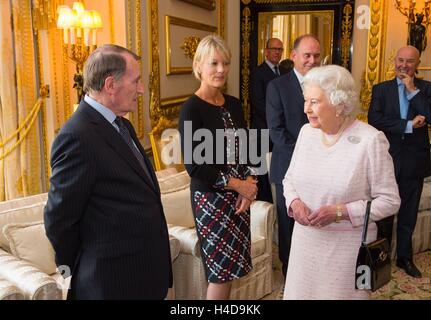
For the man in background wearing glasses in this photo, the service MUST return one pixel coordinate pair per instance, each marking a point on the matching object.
(261, 76)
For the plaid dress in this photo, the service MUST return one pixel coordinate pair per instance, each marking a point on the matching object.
(224, 236)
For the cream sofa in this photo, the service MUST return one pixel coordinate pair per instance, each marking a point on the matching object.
(189, 276)
(27, 267)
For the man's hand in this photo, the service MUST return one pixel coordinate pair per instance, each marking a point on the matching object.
(418, 121)
(408, 82)
(300, 212)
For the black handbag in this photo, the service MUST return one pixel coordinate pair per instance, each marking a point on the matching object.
(373, 265)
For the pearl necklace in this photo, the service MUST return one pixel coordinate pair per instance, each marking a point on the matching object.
(337, 136)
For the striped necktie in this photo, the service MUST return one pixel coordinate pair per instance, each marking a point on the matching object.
(125, 134)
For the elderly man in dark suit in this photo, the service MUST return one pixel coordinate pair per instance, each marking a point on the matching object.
(104, 216)
(401, 108)
(261, 76)
(285, 115)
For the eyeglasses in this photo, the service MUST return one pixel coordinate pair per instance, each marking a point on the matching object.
(276, 49)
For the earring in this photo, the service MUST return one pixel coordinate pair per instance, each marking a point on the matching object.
(337, 115)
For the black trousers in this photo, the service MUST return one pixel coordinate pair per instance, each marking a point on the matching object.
(410, 193)
(264, 189)
(285, 228)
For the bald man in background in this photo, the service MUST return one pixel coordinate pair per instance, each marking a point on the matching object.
(401, 109)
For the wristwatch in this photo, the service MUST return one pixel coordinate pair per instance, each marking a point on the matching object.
(338, 213)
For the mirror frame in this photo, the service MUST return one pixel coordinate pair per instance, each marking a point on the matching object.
(342, 34)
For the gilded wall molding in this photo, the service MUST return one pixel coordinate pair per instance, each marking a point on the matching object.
(221, 18)
(112, 21)
(54, 76)
(169, 107)
(26, 87)
(245, 56)
(374, 71)
(138, 116)
(43, 117)
(154, 84)
(171, 20)
(346, 34)
(66, 84)
(286, 1)
(134, 43)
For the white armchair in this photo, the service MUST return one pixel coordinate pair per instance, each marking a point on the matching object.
(189, 276)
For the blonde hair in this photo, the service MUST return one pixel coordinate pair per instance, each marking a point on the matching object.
(207, 47)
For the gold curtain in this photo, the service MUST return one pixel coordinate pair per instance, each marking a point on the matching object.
(20, 172)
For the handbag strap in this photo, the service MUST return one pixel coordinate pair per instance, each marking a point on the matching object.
(365, 227)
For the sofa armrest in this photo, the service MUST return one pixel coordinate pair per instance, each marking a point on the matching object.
(188, 239)
(35, 284)
(262, 218)
(8, 291)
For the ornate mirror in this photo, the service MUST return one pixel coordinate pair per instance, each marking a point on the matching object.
(330, 21)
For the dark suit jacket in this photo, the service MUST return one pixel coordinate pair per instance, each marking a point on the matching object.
(261, 76)
(104, 216)
(410, 151)
(285, 116)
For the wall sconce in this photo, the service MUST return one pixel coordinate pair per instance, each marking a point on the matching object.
(418, 22)
(79, 37)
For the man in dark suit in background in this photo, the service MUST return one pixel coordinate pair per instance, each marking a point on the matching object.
(104, 216)
(401, 108)
(285, 115)
(261, 76)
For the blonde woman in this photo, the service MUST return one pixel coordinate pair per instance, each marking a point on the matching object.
(221, 192)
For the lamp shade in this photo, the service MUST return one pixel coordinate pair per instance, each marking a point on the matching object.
(97, 19)
(86, 19)
(78, 7)
(64, 17)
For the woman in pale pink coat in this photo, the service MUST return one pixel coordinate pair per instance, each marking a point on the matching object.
(338, 164)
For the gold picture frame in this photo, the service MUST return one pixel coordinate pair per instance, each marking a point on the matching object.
(198, 30)
(206, 4)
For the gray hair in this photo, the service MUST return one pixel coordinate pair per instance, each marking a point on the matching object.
(338, 85)
(207, 47)
(107, 60)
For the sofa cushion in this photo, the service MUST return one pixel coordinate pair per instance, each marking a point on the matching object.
(161, 174)
(174, 182)
(175, 194)
(28, 213)
(27, 241)
(178, 208)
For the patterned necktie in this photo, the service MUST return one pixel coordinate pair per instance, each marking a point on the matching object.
(404, 102)
(277, 72)
(125, 134)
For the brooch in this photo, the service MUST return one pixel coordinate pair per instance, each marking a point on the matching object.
(354, 139)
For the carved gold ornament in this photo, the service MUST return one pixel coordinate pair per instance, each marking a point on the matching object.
(375, 52)
(190, 45)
